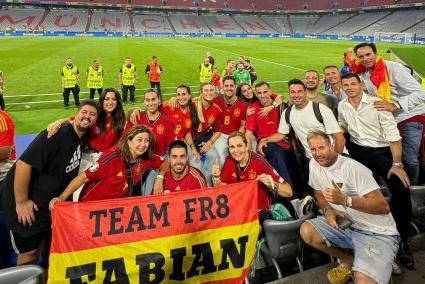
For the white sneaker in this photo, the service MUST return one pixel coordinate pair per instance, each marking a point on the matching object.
(396, 269)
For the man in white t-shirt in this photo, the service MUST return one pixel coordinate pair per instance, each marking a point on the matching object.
(304, 116)
(356, 216)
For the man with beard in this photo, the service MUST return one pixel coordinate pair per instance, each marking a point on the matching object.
(70, 75)
(277, 153)
(41, 173)
(233, 115)
(311, 82)
(181, 176)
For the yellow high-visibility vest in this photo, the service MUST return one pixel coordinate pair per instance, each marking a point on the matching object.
(128, 75)
(70, 76)
(95, 78)
(206, 73)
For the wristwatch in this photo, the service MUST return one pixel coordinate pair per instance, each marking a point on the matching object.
(398, 165)
(349, 202)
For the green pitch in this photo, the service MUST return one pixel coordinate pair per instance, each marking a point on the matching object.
(32, 66)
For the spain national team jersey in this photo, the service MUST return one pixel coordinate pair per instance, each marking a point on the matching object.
(212, 117)
(7, 131)
(233, 115)
(101, 141)
(263, 127)
(182, 121)
(108, 178)
(194, 179)
(162, 129)
(256, 166)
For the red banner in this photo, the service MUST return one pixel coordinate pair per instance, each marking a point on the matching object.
(202, 236)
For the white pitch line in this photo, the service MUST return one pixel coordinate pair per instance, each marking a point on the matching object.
(246, 56)
(55, 94)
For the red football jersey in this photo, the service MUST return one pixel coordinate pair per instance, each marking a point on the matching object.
(162, 129)
(232, 116)
(263, 127)
(212, 117)
(256, 166)
(182, 121)
(108, 178)
(194, 179)
(7, 132)
(102, 141)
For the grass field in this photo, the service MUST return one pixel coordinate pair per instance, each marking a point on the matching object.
(32, 66)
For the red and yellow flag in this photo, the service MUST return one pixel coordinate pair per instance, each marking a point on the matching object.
(202, 236)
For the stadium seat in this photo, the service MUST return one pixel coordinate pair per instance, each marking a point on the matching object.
(283, 240)
(25, 274)
(417, 195)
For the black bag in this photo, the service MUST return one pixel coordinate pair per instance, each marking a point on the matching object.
(201, 138)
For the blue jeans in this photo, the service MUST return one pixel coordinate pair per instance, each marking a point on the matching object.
(411, 140)
(286, 165)
(205, 163)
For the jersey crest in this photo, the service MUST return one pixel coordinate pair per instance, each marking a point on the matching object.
(160, 129)
(252, 174)
(237, 112)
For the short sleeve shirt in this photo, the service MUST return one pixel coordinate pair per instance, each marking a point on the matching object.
(304, 120)
(194, 179)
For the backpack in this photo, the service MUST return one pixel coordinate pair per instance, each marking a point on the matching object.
(292, 139)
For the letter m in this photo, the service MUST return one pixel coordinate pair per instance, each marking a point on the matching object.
(105, 22)
(28, 20)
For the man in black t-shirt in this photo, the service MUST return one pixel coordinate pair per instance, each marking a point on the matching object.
(41, 173)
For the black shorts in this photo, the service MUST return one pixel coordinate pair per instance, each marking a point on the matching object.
(29, 239)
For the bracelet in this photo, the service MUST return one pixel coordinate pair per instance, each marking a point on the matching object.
(275, 104)
(159, 176)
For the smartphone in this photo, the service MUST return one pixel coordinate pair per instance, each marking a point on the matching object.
(343, 223)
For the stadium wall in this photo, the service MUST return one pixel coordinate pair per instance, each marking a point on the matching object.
(420, 41)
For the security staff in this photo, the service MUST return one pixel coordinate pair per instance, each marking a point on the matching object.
(154, 70)
(128, 79)
(70, 75)
(95, 78)
(205, 71)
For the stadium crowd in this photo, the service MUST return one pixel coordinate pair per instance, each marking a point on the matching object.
(338, 147)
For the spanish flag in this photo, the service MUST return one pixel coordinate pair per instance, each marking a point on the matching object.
(378, 76)
(199, 236)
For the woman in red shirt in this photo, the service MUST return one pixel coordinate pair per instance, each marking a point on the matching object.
(119, 170)
(243, 165)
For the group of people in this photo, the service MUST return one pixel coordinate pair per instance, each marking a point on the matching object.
(242, 71)
(331, 146)
(127, 79)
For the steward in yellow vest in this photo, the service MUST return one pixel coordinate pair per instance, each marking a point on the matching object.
(127, 80)
(205, 71)
(70, 75)
(95, 78)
